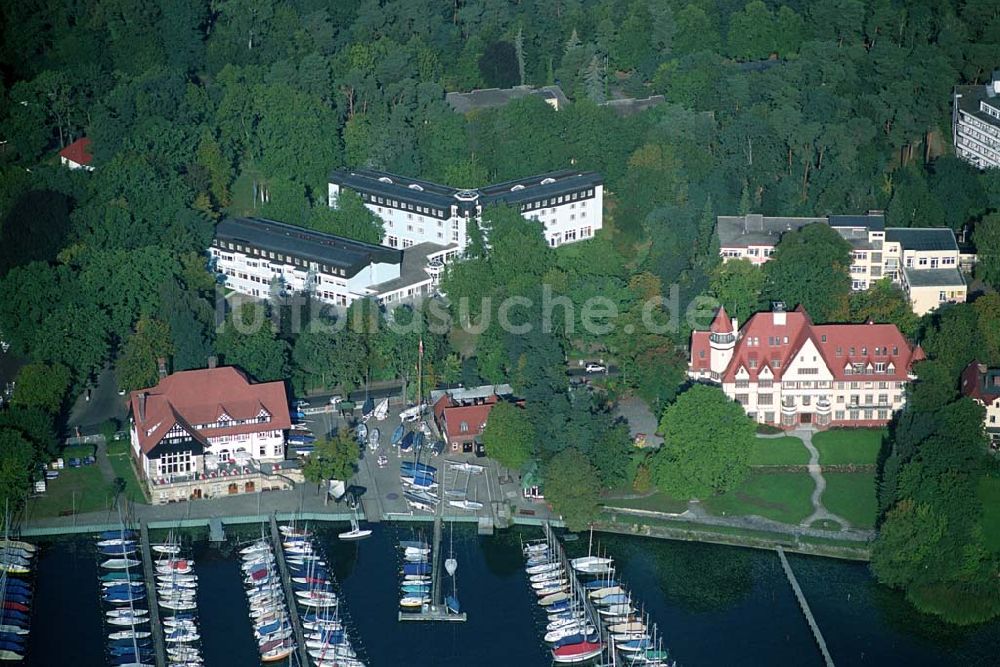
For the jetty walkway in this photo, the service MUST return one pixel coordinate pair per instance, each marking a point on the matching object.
(806, 611)
(286, 582)
(149, 570)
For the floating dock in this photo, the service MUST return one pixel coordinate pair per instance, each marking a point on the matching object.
(806, 611)
(286, 582)
(159, 647)
(437, 610)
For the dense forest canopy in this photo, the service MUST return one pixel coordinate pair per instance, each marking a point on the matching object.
(197, 110)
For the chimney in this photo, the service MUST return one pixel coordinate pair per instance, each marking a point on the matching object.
(735, 324)
(778, 314)
(142, 407)
(213, 361)
(161, 365)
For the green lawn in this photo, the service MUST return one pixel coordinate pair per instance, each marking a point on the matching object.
(780, 496)
(658, 502)
(989, 494)
(779, 451)
(852, 496)
(859, 446)
(76, 452)
(121, 461)
(85, 486)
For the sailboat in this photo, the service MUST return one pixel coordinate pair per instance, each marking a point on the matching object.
(381, 410)
(465, 503)
(355, 533)
(451, 567)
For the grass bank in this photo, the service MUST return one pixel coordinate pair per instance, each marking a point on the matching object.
(848, 445)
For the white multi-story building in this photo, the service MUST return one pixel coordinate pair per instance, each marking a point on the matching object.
(209, 432)
(569, 204)
(976, 123)
(784, 370)
(982, 384)
(924, 262)
(258, 256)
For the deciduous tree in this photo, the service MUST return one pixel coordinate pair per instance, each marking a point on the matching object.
(572, 486)
(509, 436)
(42, 385)
(707, 440)
(810, 268)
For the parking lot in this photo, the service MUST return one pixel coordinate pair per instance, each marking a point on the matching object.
(381, 484)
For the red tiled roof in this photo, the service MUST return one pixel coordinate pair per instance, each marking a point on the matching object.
(452, 416)
(78, 151)
(974, 383)
(190, 398)
(701, 351)
(763, 343)
(721, 323)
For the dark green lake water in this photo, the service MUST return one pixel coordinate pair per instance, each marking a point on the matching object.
(715, 606)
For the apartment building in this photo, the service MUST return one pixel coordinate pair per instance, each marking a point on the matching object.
(785, 371)
(982, 384)
(255, 257)
(569, 204)
(924, 262)
(976, 123)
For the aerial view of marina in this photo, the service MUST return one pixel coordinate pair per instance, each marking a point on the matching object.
(492, 333)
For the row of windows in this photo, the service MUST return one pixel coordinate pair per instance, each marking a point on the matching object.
(557, 201)
(270, 254)
(403, 205)
(856, 415)
(172, 464)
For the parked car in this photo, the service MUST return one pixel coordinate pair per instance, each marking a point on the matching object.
(300, 403)
(75, 463)
(593, 367)
(334, 400)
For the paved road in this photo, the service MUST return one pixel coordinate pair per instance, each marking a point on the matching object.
(104, 404)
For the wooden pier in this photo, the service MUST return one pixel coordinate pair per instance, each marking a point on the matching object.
(286, 582)
(215, 531)
(437, 610)
(149, 572)
(817, 635)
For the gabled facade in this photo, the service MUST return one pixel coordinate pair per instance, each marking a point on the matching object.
(924, 262)
(203, 425)
(982, 384)
(785, 371)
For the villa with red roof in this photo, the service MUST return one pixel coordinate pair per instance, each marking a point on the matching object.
(982, 384)
(209, 432)
(77, 155)
(785, 371)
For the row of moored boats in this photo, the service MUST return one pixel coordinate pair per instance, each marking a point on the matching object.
(415, 585)
(272, 624)
(15, 597)
(590, 616)
(176, 595)
(323, 618)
